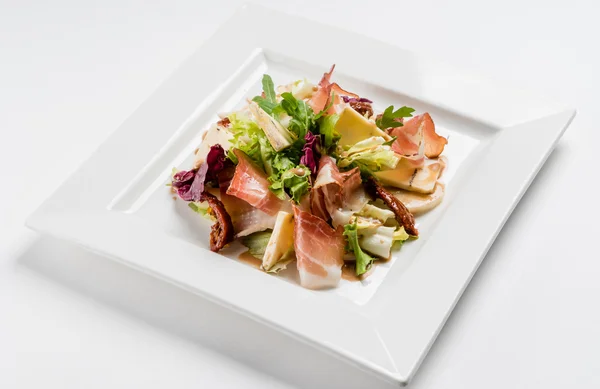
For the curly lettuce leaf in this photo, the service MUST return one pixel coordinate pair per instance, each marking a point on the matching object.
(371, 153)
(363, 260)
(294, 183)
(247, 137)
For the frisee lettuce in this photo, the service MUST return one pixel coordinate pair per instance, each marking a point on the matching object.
(363, 260)
(294, 182)
(246, 137)
(371, 153)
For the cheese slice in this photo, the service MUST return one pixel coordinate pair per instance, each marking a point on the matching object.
(353, 128)
(281, 242)
(405, 176)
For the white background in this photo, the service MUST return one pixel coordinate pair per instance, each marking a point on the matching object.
(71, 72)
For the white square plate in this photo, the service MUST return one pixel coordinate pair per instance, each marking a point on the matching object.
(116, 203)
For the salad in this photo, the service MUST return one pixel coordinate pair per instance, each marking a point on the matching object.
(314, 174)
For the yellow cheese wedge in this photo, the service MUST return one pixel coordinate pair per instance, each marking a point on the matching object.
(281, 241)
(278, 136)
(405, 176)
(353, 127)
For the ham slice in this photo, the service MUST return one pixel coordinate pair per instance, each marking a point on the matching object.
(250, 184)
(418, 137)
(319, 251)
(320, 99)
(337, 195)
(246, 219)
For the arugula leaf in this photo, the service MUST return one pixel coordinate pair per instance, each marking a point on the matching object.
(303, 117)
(269, 102)
(292, 183)
(363, 260)
(389, 116)
(266, 105)
(269, 89)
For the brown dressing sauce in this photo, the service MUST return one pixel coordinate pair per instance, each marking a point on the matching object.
(349, 272)
(250, 259)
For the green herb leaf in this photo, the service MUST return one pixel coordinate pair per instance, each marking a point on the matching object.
(363, 260)
(266, 105)
(269, 89)
(302, 116)
(257, 243)
(389, 117)
(269, 102)
(391, 141)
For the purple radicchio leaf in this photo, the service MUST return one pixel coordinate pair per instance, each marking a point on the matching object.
(310, 155)
(190, 184)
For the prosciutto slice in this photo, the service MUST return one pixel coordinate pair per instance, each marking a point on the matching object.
(320, 99)
(250, 184)
(418, 137)
(319, 251)
(246, 219)
(337, 195)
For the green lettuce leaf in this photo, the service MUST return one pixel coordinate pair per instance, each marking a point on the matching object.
(247, 137)
(269, 102)
(389, 117)
(302, 116)
(257, 243)
(327, 130)
(371, 153)
(201, 208)
(363, 260)
(292, 184)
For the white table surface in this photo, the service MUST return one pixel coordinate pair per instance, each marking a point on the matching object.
(70, 73)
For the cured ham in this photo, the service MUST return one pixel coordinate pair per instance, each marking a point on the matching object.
(417, 137)
(246, 219)
(320, 99)
(319, 251)
(337, 195)
(250, 184)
